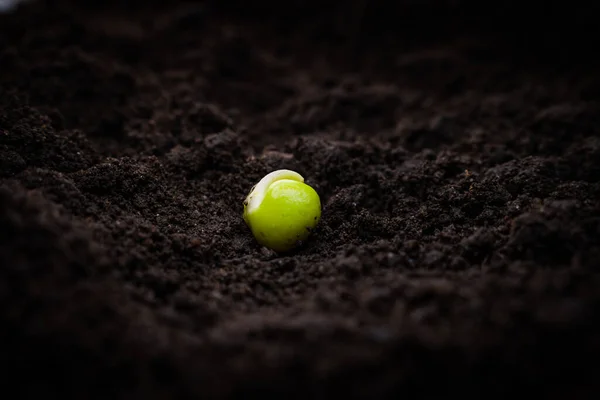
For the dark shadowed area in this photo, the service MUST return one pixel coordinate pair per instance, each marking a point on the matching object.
(455, 146)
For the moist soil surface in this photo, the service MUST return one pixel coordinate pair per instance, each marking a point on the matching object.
(459, 244)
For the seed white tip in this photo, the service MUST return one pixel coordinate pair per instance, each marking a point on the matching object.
(258, 192)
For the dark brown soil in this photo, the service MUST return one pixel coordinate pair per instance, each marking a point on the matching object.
(459, 248)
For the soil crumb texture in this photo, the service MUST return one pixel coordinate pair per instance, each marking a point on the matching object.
(455, 148)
